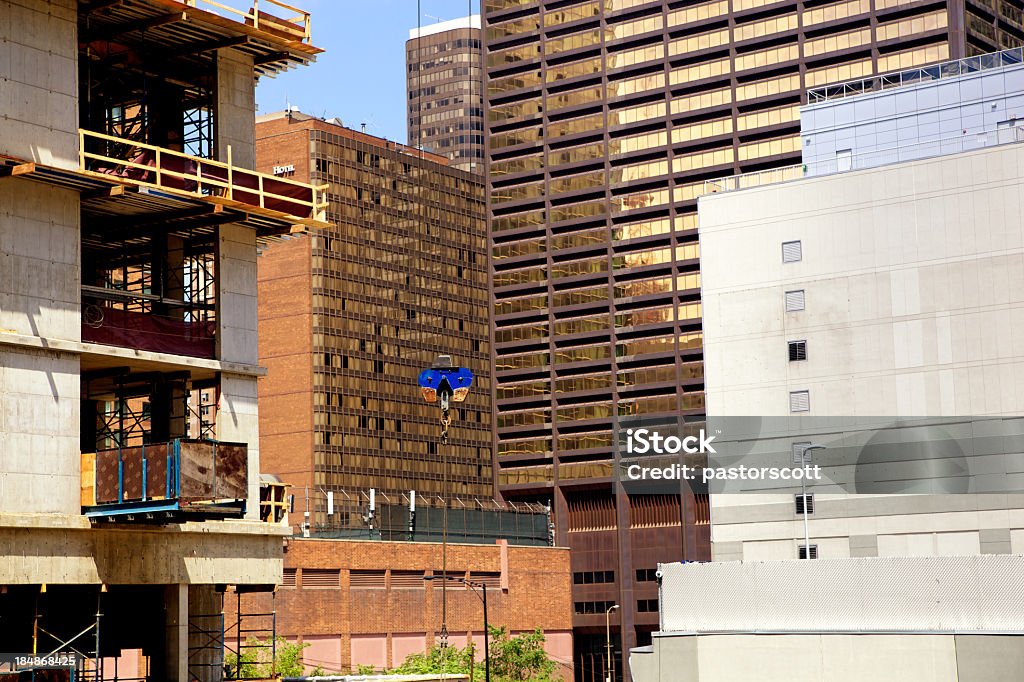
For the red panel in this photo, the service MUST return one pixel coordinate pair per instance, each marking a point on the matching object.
(153, 333)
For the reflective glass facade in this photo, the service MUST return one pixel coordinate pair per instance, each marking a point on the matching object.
(398, 278)
(604, 119)
(445, 99)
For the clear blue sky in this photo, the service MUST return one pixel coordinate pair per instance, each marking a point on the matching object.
(360, 77)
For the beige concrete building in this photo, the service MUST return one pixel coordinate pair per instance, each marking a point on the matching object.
(912, 305)
(129, 224)
(875, 289)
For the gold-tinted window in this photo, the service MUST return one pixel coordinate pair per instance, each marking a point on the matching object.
(637, 143)
(708, 10)
(573, 211)
(773, 55)
(573, 42)
(632, 86)
(504, 112)
(741, 5)
(639, 55)
(572, 98)
(914, 25)
(766, 27)
(839, 73)
(527, 24)
(698, 131)
(769, 86)
(715, 157)
(697, 72)
(575, 125)
(645, 228)
(515, 82)
(761, 148)
(531, 219)
(760, 119)
(911, 58)
(646, 199)
(635, 114)
(514, 137)
(518, 165)
(514, 55)
(577, 182)
(834, 43)
(839, 10)
(640, 171)
(698, 42)
(637, 27)
(587, 10)
(585, 152)
(704, 100)
(573, 69)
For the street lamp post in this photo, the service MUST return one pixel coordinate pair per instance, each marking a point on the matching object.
(608, 638)
(483, 592)
(805, 459)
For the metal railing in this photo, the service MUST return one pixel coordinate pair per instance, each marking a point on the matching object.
(296, 27)
(158, 167)
(898, 79)
(771, 176)
(991, 137)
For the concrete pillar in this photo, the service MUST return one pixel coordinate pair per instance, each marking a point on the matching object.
(206, 609)
(176, 633)
(39, 55)
(236, 108)
(238, 420)
(39, 389)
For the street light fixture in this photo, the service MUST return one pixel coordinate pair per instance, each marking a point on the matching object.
(608, 638)
(805, 459)
(483, 591)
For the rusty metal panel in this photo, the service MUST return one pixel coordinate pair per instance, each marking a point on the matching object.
(198, 469)
(106, 477)
(232, 471)
(156, 470)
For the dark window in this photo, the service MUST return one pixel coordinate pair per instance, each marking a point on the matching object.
(802, 501)
(803, 551)
(647, 606)
(593, 577)
(646, 575)
(797, 351)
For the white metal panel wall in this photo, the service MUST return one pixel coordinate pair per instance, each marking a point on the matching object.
(927, 594)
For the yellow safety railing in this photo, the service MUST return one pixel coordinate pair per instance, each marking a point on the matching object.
(297, 27)
(151, 166)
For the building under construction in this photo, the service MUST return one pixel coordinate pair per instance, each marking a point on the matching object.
(130, 219)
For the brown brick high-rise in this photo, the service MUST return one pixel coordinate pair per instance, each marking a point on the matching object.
(351, 314)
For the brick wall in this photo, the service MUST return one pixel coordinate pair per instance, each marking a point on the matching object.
(536, 594)
(285, 349)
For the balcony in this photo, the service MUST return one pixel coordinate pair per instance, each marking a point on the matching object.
(128, 162)
(161, 482)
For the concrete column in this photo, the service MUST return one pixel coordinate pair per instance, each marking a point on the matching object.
(236, 108)
(206, 608)
(40, 296)
(176, 633)
(39, 53)
(237, 420)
